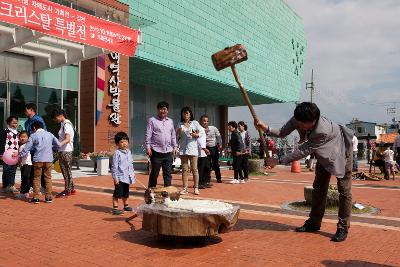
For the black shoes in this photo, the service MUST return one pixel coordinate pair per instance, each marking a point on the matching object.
(219, 181)
(341, 235)
(127, 208)
(307, 227)
(208, 185)
(201, 186)
(35, 201)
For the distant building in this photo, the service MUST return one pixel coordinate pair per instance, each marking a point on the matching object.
(366, 131)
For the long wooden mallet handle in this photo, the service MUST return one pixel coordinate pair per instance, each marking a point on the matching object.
(248, 102)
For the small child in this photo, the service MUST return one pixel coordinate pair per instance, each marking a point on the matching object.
(25, 166)
(9, 140)
(237, 148)
(122, 172)
(42, 143)
(390, 164)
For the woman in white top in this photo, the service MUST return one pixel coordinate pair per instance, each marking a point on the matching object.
(66, 138)
(187, 133)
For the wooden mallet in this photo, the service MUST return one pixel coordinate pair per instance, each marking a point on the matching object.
(229, 57)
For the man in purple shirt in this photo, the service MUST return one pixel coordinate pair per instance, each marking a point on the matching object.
(160, 144)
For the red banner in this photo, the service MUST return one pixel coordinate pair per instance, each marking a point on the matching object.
(67, 23)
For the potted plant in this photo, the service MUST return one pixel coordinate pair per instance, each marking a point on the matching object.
(102, 155)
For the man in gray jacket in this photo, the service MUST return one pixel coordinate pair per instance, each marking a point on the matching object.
(331, 145)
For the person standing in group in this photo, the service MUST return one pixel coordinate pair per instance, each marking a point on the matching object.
(187, 133)
(213, 147)
(355, 152)
(390, 164)
(160, 143)
(25, 166)
(396, 148)
(237, 148)
(203, 163)
(42, 142)
(332, 146)
(9, 140)
(31, 113)
(122, 173)
(246, 138)
(66, 138)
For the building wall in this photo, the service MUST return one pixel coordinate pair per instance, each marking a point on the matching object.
(187, 33)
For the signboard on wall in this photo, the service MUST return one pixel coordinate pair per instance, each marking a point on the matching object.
(67, 23)
(114, 89)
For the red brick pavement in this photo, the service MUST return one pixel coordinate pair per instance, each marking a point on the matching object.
(80, 231)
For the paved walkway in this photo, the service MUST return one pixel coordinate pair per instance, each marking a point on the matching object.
(80, 231)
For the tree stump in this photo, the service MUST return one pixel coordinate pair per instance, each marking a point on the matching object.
(332, 198)
(256, 165)
(187, 225)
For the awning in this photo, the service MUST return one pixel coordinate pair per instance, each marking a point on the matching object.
(56, 35)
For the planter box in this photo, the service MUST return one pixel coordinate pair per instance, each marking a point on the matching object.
(256, 165)
(103, 165)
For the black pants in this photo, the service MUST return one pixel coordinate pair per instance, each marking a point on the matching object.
(245, 166)
(8, 178)
(398, 155)
(203, 165)
(237, 167)
(321, 185)
(164, 161)
(26, 181)
(214, 159)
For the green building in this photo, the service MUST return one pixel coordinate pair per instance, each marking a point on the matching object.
(179, 37)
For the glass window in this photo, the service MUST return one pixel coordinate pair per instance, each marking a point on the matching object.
(70, 75)
(20, 95)
(3, 90)
(49, 99)
(50, 78)
(70, 103)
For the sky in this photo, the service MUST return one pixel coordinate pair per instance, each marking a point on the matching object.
(354, 49)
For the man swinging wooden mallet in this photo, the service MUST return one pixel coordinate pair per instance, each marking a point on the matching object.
(328, 141)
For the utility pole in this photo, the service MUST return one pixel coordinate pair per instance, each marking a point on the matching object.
(310, 85)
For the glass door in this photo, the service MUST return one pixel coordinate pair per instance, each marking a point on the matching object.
(3, 111)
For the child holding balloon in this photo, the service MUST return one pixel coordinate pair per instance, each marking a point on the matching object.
(8, 144)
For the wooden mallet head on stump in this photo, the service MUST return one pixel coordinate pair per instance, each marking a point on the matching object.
(229, 57)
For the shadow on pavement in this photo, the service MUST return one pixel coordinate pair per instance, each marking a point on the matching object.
(94, 208)
(244, 224)
(353, 263)
(166, 242)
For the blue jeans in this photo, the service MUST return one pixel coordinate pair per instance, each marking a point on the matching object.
(8, 178)
(355, 162)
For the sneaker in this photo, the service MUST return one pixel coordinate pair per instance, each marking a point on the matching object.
(341, 235)
(307, 227)
(246, 180)
(219, 181)
(127, 208)
(184, 191)
(202, 186)
(234, 181)
(73, 192)
(35, 201)
(13, 189)
(63, 194)
(117, 212)
(196, 191)
(48, 200)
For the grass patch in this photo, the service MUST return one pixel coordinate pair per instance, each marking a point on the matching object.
(260, 174)
(302, 206)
